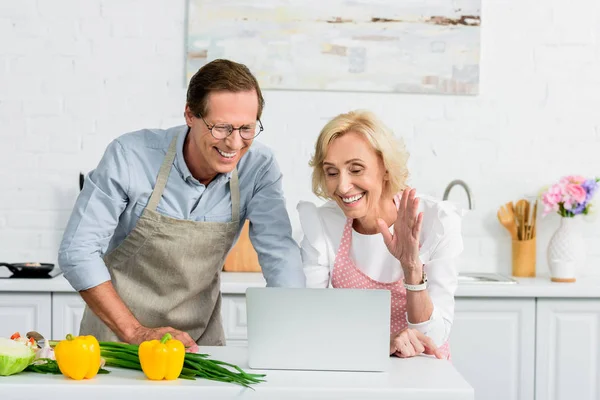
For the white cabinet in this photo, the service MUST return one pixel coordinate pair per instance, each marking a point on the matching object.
(492, 344)
(568, 349)
(233, 311)
(23, 312)
(67, 312)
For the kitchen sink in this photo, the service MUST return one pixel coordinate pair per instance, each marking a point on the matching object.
(483, 277)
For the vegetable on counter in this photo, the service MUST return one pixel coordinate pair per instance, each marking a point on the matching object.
(78, 357)
(162, 359)
(15, 354)
(124, 355)
(45, 362)
(44, 354)
(49, 366)
(17, 336)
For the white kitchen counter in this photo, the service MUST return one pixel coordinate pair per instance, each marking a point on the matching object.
(541, 287)
(421, 378)
(231, 283)
(238, 282)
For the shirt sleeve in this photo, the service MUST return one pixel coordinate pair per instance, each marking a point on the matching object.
(442, 276)
(313, 247)
(94, 219)
(271, 231)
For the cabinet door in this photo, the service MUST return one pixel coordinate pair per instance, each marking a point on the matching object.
(492, 343)
(68, 309)
(67, 312)
(233, 311)
(24, 312)
(568, 349)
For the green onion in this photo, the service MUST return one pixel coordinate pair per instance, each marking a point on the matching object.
(124, 355)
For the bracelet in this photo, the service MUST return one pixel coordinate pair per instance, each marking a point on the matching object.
(419, 287)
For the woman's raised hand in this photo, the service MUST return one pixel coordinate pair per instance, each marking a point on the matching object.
(404, 242)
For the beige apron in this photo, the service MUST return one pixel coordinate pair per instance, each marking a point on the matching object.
(167, 271)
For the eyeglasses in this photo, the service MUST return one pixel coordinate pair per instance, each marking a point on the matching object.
(221, 131)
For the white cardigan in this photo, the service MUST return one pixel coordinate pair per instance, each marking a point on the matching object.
(441, 243)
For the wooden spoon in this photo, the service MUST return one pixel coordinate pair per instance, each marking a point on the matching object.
(506, 216)
(533, 219)
(522, 212)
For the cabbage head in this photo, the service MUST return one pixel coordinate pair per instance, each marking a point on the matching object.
(15, 356)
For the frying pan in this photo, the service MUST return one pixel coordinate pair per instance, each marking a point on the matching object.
(29, 269)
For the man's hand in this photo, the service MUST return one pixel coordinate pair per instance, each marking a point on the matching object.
(411, 342)
(142, 334)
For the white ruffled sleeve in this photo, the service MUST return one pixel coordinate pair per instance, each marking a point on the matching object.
(442, 244)
(313, 246)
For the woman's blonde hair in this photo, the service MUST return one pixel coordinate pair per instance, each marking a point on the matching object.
(391, 149)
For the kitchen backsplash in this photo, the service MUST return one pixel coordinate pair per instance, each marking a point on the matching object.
(74, 75)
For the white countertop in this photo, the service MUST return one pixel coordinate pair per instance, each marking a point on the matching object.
(231, 283)
(421, 378)
(542, 286)
(238, 282)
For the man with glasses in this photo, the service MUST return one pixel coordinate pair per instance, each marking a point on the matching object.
(150, 231)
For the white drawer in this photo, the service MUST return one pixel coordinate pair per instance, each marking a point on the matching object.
(233, 311)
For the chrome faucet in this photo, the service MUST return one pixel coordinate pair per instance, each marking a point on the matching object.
(467, 190)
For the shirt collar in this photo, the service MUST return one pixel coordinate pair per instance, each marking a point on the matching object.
(181, 165)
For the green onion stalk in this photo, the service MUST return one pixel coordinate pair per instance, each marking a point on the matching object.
(124, 355)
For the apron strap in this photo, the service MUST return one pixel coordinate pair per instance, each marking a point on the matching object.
(163, 175)
(234, 189)
(347, 232)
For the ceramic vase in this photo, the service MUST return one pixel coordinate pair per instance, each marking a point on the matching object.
(566, 251)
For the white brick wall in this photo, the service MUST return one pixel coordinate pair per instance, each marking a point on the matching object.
(75, 74)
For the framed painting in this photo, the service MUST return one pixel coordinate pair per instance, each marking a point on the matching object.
(407, 46)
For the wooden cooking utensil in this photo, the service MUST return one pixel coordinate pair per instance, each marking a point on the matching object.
(242, 257)
(506, 217)
(533, 219)
(522, 213)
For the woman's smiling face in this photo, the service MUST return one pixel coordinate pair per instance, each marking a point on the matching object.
(355, 175)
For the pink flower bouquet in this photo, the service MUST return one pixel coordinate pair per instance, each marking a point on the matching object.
(571, 196)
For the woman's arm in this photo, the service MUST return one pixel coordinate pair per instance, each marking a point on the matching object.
(313, 247)
(317, 274)
(441, 287)
(429, 311)
(419, 307)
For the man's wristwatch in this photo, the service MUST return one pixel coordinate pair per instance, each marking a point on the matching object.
(420, 286)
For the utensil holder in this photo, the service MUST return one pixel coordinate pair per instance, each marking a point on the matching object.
(523, 258)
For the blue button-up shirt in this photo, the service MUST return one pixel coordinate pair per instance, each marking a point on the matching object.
(117, 191)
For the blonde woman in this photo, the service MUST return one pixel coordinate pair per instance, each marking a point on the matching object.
(377, 233)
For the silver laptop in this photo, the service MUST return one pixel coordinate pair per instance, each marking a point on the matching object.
(318, 329)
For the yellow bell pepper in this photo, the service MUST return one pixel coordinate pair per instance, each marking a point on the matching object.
(78, 357)
(162, 359)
